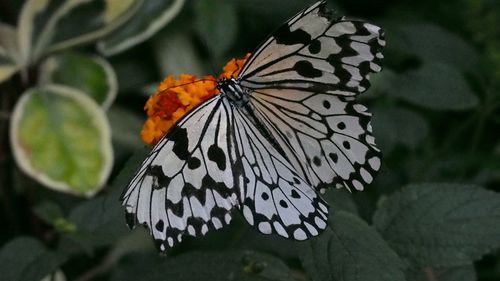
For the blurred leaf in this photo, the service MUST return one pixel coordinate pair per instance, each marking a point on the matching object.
(217, 24)
(126, 127)
(434, 86)
(208, 266)
(459, 273)
(340, 200)
(431, 43)
(49, 25)
(8, 52)
(92, 75)
(440, 225)
(101, 220)
(61, 138)
(52, 214)
(26, 259)
(349, 249)
(398, 126)
(175, 52)
(56, 276)
(150, 17)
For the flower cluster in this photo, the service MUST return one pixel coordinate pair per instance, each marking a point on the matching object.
(175, 97)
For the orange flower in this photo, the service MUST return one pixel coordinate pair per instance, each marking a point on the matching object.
(175, 97)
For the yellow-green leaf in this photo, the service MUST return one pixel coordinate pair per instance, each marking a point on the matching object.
(61, 138)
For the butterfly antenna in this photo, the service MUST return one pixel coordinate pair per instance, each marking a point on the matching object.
(189, 83)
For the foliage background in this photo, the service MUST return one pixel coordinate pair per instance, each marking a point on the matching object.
(433, 212)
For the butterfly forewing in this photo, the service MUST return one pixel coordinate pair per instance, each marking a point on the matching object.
(187, 185)
(316, 51)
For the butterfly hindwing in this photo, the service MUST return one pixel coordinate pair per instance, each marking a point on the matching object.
(186, 186)
(274, 198)
(317, 51)
(327, 138)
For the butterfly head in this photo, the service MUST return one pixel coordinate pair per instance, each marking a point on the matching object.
(231, 89)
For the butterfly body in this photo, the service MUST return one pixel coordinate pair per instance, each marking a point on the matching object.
(287, 128)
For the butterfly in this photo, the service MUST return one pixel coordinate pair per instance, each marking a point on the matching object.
(274, 139)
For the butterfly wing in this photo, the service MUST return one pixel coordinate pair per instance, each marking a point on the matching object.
(327, 138)
(274, 198)
(186, 185)
(316, 51)
(302, 82)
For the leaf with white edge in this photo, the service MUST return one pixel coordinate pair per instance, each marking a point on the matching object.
(432, 43)
(26, 259)
(217, 23)
(458, 273)
(61, 138)
(440, 225)
(49, 25)
(231, 265)
(92, 75)
(398, 126)
(9, 57)
(350, 250)
(434, 86)
(150, 17)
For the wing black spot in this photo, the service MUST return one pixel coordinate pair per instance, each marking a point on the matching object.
(326, 104)
(296, 180)
(159, 225)
(284, 36)
(334, 157)
(216, 154)
(194, 163)
(283, 204)
(346, 144)
(315, 46)
(306, 69)
(264, 195)
(341, 125)
(179, 137)
(316, 161)
(295, 194)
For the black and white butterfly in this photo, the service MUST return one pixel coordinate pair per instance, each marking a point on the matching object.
(280, 133)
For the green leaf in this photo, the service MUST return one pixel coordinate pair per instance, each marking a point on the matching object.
(432, 43)
(149, 18)
(52, 214)
(458, 273)
(434, 86)
(61, 138)
(340, 200)
(92, 75)
(176, 53)
(126, 127)
(440, 225)
(208, 266)
(9, 56)
(26, 259)
(398, 126)
(49, 25)
(101, 220)
(217, 24)
(348, 250)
